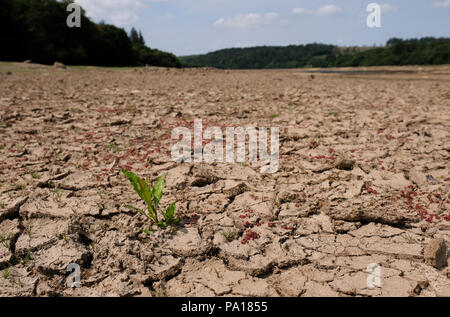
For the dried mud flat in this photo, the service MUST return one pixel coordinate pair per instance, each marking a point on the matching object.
(364, 178)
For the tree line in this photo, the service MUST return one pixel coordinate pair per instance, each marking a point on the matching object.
(424, 51)
(37, 31)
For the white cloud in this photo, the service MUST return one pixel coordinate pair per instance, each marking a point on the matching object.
(443, 4)
(299, 11)
(329, 9)
(248, 20)
(122, 18)
(325, 10)
(119, 12)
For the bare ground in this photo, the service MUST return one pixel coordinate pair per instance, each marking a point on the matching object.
(364, 178)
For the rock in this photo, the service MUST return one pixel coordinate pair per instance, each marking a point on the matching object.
(28, 61)
(314, 289)
(290, 283)
(446, 272)
(57, 258)
(59, 65)
(164, 267)
(187, 242)
(443, 291)
(9, 229)
(233, 188)
(203, 176)
(421, 285)
(288, 196)
(345, 164)
(11, 209)
(435, 253)
(397, 287)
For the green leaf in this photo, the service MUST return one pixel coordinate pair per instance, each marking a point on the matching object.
(133, 178)
(139, 185)
(152, 198)
(162, 225)
(145, 193)
(158, 189)
(148, 232)
(170, 212)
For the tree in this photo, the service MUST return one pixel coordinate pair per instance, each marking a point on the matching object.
(37, 30)
(134, 36)
(141, 39)
(396, 52)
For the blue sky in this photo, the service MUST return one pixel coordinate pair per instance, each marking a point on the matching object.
(187, 27)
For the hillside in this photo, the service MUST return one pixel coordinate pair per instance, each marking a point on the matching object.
(425, 51)
(37, 31)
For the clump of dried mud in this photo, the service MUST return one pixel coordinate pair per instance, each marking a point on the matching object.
(364, 178)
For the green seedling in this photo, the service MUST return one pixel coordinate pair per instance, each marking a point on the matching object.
(57, 155)
(26, 259)
(152, 198)
(113, 147)
(103, 195)
(410, 239)
(58, 194)
(229, 235)
(2, 205)
(6, 273)
(4, 241)
(35, 175)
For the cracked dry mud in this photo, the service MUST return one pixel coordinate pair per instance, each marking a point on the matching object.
(364, 178)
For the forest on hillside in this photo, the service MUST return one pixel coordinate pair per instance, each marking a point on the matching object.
(424, 51)
(37, 31)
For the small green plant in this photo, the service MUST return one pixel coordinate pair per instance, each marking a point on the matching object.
(56, 154)
(58, 194)
(26, 258)
(152, 198)
(4, 241)
(113, 147)
(229, 235)
(2, 205)
(410, 239)
(6, 273)
(35, 175)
